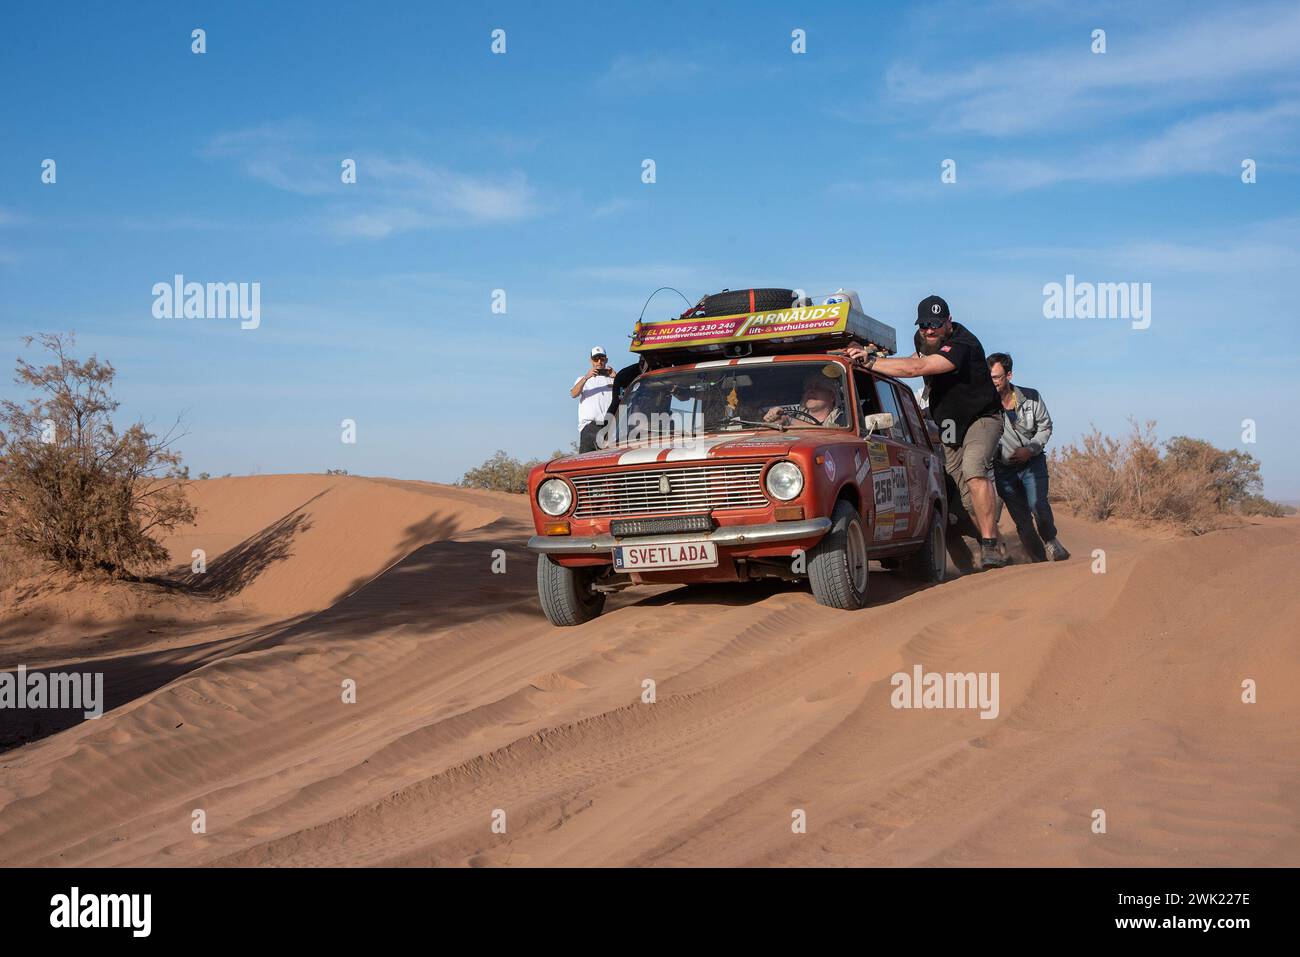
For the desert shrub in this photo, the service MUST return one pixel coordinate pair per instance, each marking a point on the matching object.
(1259, 505)
(505, 473)
(1185, 482)
(1089, 477)
(502, 473)
(1231, 475)
(73, 489)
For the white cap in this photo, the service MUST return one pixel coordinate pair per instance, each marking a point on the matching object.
(598, 351)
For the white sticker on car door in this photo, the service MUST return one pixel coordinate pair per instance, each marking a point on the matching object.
(901, 498)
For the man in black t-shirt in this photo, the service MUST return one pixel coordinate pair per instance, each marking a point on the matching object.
(963, 403)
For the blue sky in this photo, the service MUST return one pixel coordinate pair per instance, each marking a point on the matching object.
(522, 172)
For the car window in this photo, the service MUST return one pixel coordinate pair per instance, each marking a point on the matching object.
(889, 403)
(919, 434)
(868, 403)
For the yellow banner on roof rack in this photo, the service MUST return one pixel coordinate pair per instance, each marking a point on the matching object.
(743, 327)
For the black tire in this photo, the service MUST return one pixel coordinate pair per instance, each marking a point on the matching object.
(566, 593)
(929, 564)
(734, 302)
(838, 567)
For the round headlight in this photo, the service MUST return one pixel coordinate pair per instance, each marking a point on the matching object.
(554, 496)
(784, 480)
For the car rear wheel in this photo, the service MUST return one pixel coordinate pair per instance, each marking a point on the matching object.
(930, 562)
(566, 594)
(837, 565)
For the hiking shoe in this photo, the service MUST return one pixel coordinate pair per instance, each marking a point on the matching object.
(1056, 551)
(990, 556)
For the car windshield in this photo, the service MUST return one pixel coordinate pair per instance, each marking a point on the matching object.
(777, 395)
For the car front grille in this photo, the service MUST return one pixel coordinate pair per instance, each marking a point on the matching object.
(691, 489)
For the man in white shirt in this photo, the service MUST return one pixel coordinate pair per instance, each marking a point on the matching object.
(594, 391)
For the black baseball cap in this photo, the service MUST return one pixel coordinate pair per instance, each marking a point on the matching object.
(932, 310)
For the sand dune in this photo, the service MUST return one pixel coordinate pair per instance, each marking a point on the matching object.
(1118, 691)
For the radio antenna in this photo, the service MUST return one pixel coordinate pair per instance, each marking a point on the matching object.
(656, 292)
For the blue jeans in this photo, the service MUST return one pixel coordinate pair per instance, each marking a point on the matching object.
(1023, 488)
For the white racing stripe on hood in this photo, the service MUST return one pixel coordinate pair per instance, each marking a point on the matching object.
(699, 449)
(692, 450)
(647, 453)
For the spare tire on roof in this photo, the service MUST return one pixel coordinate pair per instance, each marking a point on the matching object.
(733, 302)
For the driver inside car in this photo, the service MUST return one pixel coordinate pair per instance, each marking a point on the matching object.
(818, 407)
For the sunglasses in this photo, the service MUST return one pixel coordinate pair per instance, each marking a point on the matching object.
(932, 323)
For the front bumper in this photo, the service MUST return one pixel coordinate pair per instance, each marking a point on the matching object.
(727, 536)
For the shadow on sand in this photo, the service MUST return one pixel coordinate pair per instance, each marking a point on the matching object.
(427, 589)
(440, 582)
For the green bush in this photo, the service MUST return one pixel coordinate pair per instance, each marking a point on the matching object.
(501, 473)
(505, 473)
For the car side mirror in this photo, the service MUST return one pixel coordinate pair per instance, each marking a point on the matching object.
(879, 422)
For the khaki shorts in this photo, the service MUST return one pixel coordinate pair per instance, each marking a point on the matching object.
(974, 457)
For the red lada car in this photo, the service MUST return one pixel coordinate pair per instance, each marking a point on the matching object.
(789, 466)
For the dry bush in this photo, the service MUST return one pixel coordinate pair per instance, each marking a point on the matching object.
(505, 473)
(502, 473)
(1087, 477)
(1184, 482)
(1259, 505)
(73, 489)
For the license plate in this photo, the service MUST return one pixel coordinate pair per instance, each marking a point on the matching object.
(633, 558)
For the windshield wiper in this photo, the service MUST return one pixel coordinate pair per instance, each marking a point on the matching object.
(766, 425)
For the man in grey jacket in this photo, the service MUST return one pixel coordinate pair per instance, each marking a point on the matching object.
(1020, 469)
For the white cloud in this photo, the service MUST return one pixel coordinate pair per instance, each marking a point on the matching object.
(392, 195)
(162, 223)
(416, 195)
(1270, 247)
(646, 73)
(1213, 143)
(276, 153)
(616, 205)
(648, 275)
(1238, 50)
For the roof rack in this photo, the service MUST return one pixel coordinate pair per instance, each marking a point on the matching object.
(796, 329)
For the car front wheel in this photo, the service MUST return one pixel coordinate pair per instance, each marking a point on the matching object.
(837, 565)
(567, 595)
